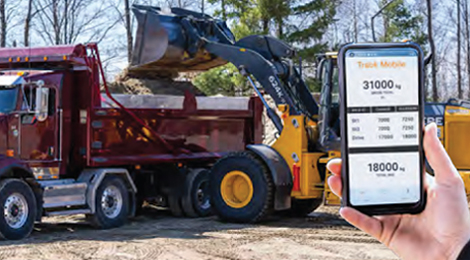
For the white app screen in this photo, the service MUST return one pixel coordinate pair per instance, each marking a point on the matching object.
(383, 126)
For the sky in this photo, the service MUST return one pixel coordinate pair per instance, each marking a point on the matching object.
(113, 45)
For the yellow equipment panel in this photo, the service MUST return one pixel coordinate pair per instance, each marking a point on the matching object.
(457, 136)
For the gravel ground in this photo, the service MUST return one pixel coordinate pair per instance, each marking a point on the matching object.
(156, 235)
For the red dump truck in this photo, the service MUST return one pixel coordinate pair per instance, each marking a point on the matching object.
(69, 149)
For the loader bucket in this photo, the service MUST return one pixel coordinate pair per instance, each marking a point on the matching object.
(162, 44)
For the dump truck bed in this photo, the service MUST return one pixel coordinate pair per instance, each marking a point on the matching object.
(196, 130)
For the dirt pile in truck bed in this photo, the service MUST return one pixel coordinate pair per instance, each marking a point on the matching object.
(148, 84)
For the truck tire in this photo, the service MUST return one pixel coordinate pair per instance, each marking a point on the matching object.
(242, 188)
(19, 209)
(301, 208)
(111, 203)
(175, 205)
(196, 200)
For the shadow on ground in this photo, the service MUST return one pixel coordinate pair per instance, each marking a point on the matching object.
(160, 224)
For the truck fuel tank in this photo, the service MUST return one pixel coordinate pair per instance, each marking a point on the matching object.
(163, 45)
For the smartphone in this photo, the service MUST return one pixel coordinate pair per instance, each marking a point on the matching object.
(382, 120)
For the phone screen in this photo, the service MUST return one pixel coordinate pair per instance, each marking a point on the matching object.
(383, 125)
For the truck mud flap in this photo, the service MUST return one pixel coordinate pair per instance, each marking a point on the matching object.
(280, 172)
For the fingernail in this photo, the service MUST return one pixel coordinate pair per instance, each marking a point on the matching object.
(341, 211)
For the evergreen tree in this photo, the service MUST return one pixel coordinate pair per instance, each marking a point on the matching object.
(400, 23)
(300, 23)
(311, 20)
(226, 80)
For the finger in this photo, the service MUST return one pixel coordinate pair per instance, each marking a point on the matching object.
(335, 185)
(429, 181)
(334, 166)
(437, 156)
(370, 225)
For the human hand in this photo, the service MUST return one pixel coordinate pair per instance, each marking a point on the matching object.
(440, 231)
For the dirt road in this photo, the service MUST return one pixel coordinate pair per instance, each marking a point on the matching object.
(323, 235)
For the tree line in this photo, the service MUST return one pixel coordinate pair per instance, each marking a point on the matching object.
(440, 27)
(311, 26)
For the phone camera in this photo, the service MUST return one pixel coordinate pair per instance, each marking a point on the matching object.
(351, 54)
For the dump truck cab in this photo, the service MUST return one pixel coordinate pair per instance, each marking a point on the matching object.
(44, 103)
(25, 102)
(31, 117)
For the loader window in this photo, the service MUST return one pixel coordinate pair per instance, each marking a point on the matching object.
(329, 107)
(8, 97)
(335, 90)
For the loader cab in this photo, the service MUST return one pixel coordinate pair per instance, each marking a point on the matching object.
(327, 76)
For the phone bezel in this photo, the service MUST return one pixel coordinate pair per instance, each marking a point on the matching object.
(380, 209)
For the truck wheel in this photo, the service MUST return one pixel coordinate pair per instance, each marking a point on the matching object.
(196, 200)
(112, 203)
(175, 205)
(301, 208)
(19, 209)
(241, 188)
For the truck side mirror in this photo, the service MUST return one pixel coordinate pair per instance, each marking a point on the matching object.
(42, 103)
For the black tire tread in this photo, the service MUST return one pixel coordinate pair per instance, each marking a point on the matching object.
(186, 200)
(301, 208)
(174, 205)
(268, 208)
(95, 220)
(27, 192)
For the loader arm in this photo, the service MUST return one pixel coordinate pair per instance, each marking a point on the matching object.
(269, 60)
(189, 41)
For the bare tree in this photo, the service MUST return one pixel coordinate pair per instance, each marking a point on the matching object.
(352, 22)
(467, 41)
(435, 94)
(224, 12)
(356, 30)
(27, 22)
(3, 25)
(65, 21)
(459, 50)
(181, 3)
(127, 15)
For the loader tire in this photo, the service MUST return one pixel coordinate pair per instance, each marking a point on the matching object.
(19, 209)
(301, 208)
(242, 189)
(196, 199)
(111, 204)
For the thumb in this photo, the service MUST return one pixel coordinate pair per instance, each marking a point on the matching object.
(444, 169)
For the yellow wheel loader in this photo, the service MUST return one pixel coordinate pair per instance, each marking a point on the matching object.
(289, 175)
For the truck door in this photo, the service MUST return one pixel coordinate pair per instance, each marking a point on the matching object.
(39, 136)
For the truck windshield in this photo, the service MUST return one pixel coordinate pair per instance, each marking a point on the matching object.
(8, 97)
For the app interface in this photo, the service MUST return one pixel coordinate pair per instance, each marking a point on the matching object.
(383, 122)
